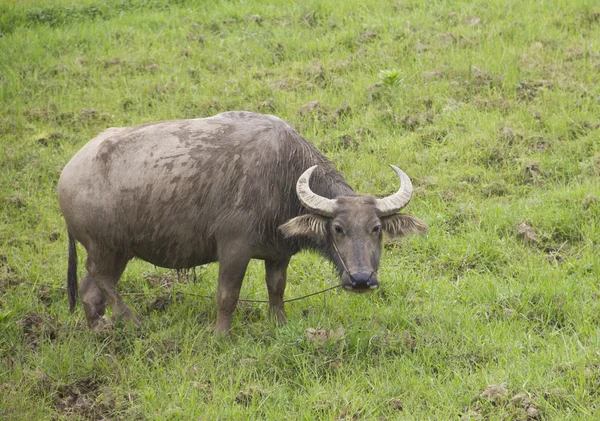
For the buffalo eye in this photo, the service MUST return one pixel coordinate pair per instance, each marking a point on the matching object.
(376, 229)
(338, 229)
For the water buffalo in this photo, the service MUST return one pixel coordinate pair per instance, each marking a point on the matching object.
(227, 188)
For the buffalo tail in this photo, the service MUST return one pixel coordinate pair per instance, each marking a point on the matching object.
(72, 274)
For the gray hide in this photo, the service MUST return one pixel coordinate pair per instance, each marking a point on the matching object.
(184, 193)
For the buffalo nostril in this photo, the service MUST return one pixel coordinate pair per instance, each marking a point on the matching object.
(361, 280)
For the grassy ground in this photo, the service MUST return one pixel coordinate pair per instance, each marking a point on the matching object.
(493, 108)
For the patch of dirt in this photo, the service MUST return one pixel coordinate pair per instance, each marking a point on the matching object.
(473, 21)
(206, 388)
(88, 115)
(413, 121)
(492, 103)
(447, 38)
(368, 36)
(448, 195)
(169, 347)
(528, 90)
(495, 190)
(7, 280)
(84, 398)
(38, 114)
(65, 117)
(577, 129)
(279, 51)
(50, 139)
(533, 174)
(310, 108)
(267, 106)
(282, 85)
(527, 233)
(472, 415)
(482, 77)
(556, 254)
(349, 414)
(17, 201)
(589, 201)
(319, 337)
(432, 75)
(152, 68)
(522, 406)
(54, 236)
(527, 403)
(113, 62)
(347, 142)
(495, 392)
(38, 327)
(343, 110)
(253, 18)
(245, 397)
(508, 135)
(44, 295)
(396, 404)
(365, 133)
(316, 73)
(542, 145)
(402, 340)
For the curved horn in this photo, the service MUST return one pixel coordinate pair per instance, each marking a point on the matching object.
(310, 200)
(393, 203)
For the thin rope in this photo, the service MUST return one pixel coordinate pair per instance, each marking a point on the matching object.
(245, 300)
(250, 300)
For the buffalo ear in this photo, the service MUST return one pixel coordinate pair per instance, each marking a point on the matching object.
(310, 225)
(399, 225)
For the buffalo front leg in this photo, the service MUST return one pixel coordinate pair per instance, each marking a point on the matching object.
(275, 271)
(232, 268)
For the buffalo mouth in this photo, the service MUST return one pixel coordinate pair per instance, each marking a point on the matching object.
(360, 282)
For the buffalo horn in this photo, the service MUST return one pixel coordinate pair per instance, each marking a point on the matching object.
(310, 200)
(393, 203)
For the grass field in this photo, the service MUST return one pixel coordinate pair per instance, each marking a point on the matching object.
(492, 108)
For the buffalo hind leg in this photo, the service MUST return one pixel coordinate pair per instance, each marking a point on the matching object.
(93, 299)
(105, 270)
(233, 262)
(275, 271)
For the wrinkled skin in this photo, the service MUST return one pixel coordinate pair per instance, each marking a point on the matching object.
(184, 193)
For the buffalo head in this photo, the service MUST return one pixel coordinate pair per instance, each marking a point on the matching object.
(349, 228)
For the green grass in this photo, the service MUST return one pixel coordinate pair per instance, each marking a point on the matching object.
(492, 108)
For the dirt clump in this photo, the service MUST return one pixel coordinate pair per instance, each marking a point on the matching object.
(245, 397)
(368, 36)
(527, 233)
(319, 337)
(38, 327)
(533, 174)
(312, 107)
(85, 398)
(495, 392)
